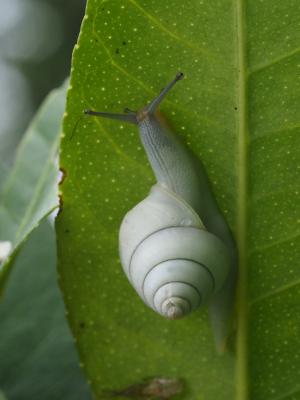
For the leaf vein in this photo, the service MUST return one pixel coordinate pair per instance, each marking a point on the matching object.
(167, 31)
(275, 243)
(288, 188)
(284, 395)
(274, 292)
(262, 66)
(274, 132)
(39, 187)
(141, 83)
(119, 151)
(242, 211)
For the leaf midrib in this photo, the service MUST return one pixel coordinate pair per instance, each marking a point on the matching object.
(242, 389)
(39, 188)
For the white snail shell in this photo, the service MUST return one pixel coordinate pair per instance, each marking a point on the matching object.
(171, 260)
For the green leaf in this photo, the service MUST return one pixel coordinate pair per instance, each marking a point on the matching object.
(2, 397)
(30, 191)
(38, 359)
(238, 110)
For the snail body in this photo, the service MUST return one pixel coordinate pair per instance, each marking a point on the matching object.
(175, 246)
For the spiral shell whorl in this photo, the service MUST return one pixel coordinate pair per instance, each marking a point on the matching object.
(171, 260)
(175, 308)
(175, 270)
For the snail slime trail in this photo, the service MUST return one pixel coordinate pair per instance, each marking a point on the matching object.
(170, 256)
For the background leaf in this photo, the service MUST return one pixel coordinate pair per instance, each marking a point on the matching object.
(238, 110)
(38, 358)
(30, 192)
(2, 397)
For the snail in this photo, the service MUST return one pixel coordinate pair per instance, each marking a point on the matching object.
(175, 246)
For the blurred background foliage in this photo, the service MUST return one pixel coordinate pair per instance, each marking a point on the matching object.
(38, 360)
(36, 42)
(37, 355)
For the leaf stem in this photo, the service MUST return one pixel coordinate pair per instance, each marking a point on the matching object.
(242, 210)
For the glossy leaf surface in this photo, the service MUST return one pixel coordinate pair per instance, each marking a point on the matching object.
(238, 110)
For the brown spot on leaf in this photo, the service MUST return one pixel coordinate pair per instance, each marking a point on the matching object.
(82, 324)
(63, 175)
(61, 204)
(150, 388)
